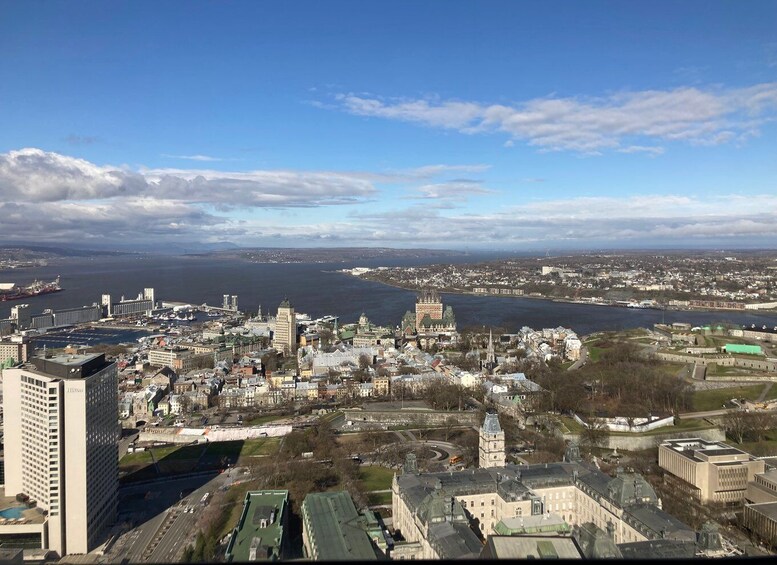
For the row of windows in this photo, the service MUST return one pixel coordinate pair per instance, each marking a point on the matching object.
(33, 381)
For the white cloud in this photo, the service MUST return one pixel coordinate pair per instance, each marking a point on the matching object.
(39, 176)
(616, 222)
(33, 175)
(453, 190)
(650, 150)
(435, 170)
(590, 125)
(117, 219)
(203, 158)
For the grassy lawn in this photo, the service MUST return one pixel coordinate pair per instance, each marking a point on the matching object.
(375, 478)
(713, 399)
(379, 498)
(139, 458)
(219, 453)
(645, 340)
(760, 448)
(267, 418)
(594, 353)
(184, 453)
(571, 424)
(716, 369)
(772, 394)
(260, 446)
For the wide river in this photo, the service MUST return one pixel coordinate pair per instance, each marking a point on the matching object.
(317, 289)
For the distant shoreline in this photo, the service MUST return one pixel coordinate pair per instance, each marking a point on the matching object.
(563, 300)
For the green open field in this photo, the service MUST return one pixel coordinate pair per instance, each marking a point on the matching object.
(761, 448)
(264, 419)
(176, 459)
(260, 446)
(376, 498)
(594, 353)
(704, 400)
(373, 477)
(139, 458)
(721, 370)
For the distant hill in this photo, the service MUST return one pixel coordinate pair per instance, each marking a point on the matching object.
(36, 252)
(329, 254)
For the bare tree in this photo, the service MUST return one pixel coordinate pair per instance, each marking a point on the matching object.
(737, 425)
(595, 434)
(364, 361)
(450, 423)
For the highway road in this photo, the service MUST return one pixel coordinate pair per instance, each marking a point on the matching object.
(181, 528)
(172, 544)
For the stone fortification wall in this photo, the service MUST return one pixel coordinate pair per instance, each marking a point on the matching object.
(641, 442)
(722, 360)
(409, 417)
(639, 425)
(189, 435)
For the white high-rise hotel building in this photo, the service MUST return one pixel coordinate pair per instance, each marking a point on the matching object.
(285, 335)
(61, 435)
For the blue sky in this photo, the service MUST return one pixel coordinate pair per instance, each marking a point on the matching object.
(509, 125)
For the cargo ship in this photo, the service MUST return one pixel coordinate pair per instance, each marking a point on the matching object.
(10, 291)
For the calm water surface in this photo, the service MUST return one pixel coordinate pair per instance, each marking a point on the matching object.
(317, 289)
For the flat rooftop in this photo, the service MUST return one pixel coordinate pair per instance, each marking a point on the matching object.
(768, 509)
(68, 366)
(689, 446)
(25, 515)
(531, 547)
(260, 527)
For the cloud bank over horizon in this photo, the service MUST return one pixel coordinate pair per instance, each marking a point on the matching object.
(50, 197)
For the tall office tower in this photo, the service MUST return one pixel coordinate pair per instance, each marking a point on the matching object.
(63, 450)
(285, 337)
(225, 304)
(148, 294)
(234, 302)
(492, 443)
(428, 302)
(106, 304)
(21, 313)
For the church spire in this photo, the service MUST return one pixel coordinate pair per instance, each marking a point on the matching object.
(490, 355)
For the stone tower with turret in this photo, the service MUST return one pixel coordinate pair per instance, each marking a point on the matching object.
(492, 443)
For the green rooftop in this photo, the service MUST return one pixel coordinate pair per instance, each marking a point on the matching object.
(258, 535)
(334, 530)
(740, 348)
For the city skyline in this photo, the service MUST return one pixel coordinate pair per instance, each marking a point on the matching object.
(518, 126)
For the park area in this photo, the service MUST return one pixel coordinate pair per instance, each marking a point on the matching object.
(178, 459)
(715, 399)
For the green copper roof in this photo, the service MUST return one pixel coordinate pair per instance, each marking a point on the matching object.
(335, 527)
(260, 529)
